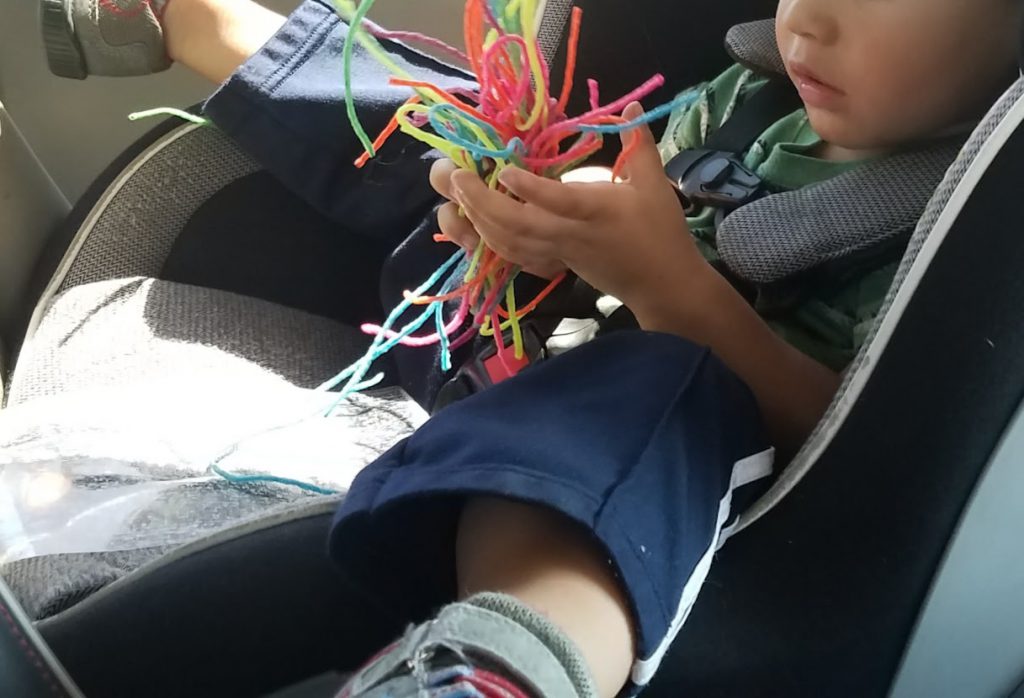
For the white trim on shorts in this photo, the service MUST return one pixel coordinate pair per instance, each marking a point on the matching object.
(744, 472)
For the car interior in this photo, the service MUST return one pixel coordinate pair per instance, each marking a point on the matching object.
(886, 560)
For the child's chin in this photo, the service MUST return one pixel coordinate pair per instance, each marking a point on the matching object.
(837, 129)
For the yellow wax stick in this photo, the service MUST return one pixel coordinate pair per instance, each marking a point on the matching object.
(513, 320)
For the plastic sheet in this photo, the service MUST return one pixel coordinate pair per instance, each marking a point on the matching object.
(125, 469)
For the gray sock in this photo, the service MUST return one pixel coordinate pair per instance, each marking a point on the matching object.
(489, 632)
(544, 630)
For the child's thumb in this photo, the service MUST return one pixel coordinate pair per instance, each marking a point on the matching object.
(643, 161)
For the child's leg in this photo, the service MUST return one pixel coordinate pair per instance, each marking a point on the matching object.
(575, 510)
(214, 37)
(555, 568)
(138, 37)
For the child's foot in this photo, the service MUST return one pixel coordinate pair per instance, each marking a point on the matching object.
(104, 37)
(491, 646)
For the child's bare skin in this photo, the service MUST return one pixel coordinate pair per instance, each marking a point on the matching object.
(214, 37)
(874, 74)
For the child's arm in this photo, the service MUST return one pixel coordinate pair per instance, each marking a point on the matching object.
(631, 240)
(793, 389)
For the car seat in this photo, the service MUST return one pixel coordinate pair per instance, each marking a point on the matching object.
(847, 584)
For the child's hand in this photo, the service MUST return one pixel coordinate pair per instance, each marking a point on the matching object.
(460, 230)
(628, 239)
(631, 240)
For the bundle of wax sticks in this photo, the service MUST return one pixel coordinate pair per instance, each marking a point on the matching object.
(512, 120)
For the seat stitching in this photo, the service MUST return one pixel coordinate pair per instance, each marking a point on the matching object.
(18, 635)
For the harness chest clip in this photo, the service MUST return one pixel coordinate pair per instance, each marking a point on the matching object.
(487, 367)
(714, 178)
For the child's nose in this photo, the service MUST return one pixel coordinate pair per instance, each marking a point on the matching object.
(814, 20)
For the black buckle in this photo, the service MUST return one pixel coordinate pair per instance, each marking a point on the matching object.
(486, 368)
(714, 178)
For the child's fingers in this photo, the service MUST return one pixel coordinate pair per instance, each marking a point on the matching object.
(514, 231)
(470, 191)
(457, 228)
(644, 164)
(537, 256)
(441, 177)
(491, 208)
(549, 194)
(484, 222)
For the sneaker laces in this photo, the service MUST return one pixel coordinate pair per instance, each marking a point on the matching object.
(460, 681)
(464, 681)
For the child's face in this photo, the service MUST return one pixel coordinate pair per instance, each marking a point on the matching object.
(877, 73)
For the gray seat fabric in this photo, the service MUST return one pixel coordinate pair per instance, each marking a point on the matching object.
(778, 237)
(111, 334)
(116, 332)
(27, 666)
(753, 44)
(132, 227)
(96, 329)
(552, 29)
(50, 584)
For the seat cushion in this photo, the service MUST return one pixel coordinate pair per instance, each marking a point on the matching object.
(112, 333)
(117, 337)
(49, 584)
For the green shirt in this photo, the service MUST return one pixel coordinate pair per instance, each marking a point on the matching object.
(831, 323)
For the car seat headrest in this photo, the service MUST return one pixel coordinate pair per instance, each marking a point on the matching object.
(754, 46)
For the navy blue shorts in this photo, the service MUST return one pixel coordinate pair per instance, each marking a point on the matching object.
(645, 439)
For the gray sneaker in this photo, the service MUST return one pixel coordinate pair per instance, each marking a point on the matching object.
(104, 37)
(489, 647)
